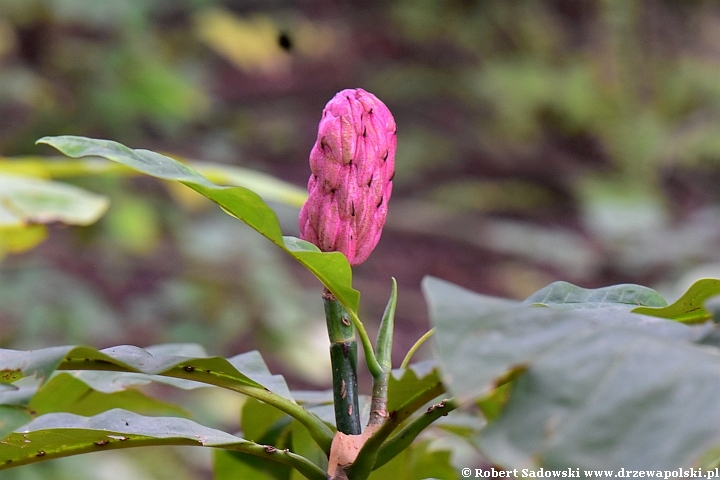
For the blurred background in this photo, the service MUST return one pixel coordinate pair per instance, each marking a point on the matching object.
(538, 140)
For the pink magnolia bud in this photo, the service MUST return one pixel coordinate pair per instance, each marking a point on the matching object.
(352, 164)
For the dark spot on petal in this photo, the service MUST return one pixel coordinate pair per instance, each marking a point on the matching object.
(385, 157)
(370, 181)
(364, 131)
(333, 190)
(381, 201)
(352, 208)
(370, 111)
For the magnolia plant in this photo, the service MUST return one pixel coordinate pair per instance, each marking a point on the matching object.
(569, 381)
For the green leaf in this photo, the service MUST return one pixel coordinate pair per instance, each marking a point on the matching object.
(303, 445)
(12, 417)
(418, 461)
(609, 400)
(20, 239)
(492, 404)
(268, 187)
(65, 393)
(332, 268)
(405, 383)
(566, 295)
(62, 434)
(688, 308)
(26, 200)
(259, 419)
(245, 373)
(597, 388)
(232, 466)
(480, 339)
(43, 362)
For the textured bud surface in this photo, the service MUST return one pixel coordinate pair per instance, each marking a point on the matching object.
(352, 165)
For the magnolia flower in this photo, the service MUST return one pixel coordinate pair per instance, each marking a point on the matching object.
(352, 165)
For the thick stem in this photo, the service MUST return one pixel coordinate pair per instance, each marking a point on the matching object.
(378, 404)
(343, 357)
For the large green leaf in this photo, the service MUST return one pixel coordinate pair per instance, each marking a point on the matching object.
(609, 400)
(568, 296)
(61, 434)
(481, 339)
(595, 388)
(331, 268)
(689, 308)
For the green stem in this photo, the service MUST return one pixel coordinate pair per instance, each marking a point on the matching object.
(343, 357)
(372, 363)
(407, 434)
(414, 348)
(378, 403)
(304, 466)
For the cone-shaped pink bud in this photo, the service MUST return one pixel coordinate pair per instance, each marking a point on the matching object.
(352, 165)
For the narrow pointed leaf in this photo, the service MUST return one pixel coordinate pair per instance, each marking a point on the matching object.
(384, 343)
